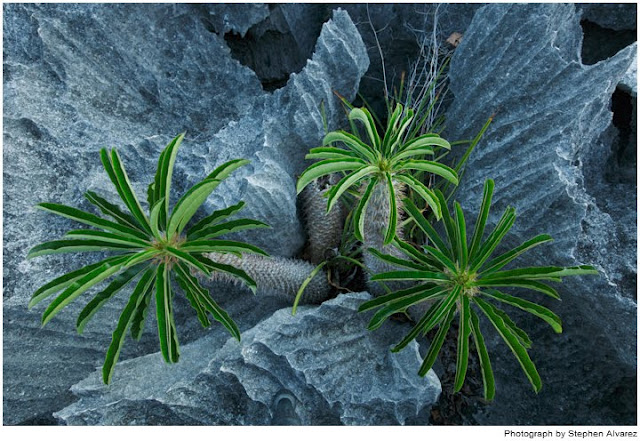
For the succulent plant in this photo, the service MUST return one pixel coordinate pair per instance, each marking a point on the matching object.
(456, 276)
(387, 161)
(151, 248)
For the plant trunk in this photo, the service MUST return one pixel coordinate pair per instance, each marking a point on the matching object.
(281, 276)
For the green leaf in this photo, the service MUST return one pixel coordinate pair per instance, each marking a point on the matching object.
(411, 153)
(126, 317)
(329, 153)
(214, 217)
(216, 311)
(449, 226)
(483, 355)
(101, 298)
(63, 281)
(351, 141)
(346, 183)
(423, 191)
(107, 237)
(162, 182)
(92, 278)
(396, 295)
(434, 316)
(430, 263)
(112, 210)
(514, 344)
(393, 212)
(483, 214)
(402, 304)
(461, 236)
(520, 283)
(140, 314)
(223, 171)
(431, 167)
(503, 227)
(306, 282)
(429, 139)
(76, 246)
(327, 167)
(188, 259)
(410, 275)
(532, 308)
(164, 313)
(220, 246)
(90, 219)
(156, 212)
(126, 192)
(396, 261)
(507, 257)
(363, 115)
(227, 228)
(522, 336)
(543, 273)
(425, 226)
(140, 257)
(436, 344)
(392, 125)
(464, 331)
(188, 204)
(358, 216)
(191, 288)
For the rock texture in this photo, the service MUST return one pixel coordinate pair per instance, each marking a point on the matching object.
(545, 151)
(322, 363)
(83, 76)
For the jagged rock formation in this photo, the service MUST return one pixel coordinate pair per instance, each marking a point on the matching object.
(84, 76)
(322, 360)
(544, 150)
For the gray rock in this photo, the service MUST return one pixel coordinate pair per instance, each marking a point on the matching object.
(237, 18)
(616, 16)
(322, 364)
(545, 153)
(80, 77)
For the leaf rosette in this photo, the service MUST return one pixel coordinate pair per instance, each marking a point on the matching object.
(392, 159)
(458, 277)
(150, 251)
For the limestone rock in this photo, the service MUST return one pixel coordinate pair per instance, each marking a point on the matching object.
(545, 153)
(323, 361)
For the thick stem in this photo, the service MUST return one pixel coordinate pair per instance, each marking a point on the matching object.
(281, 276)
(324, 229)
(375, 224)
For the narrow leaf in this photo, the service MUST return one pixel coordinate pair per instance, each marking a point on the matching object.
(431, 167)
(77, 246)
(104, 271)
(326, 167)
(514, 344)
(63, 281)
(424, 192)
(124, 322)
(215, 217)
(358, 216)
(390, 234)
(483, 214)
(532, 308)
(90, 219)
(483, 355)
(436, 344)
(434, 316)
(306, 282)
(217, 245)
(112, 210)
(101, 298)
(464, 330)
(504, 259)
